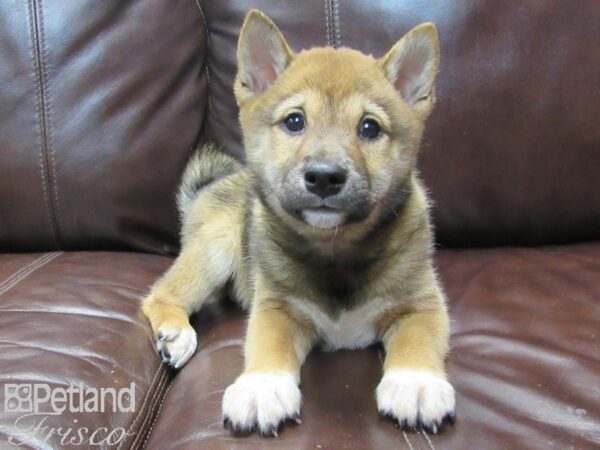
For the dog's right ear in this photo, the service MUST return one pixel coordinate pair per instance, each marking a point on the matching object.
(412, 65)
(262, 55)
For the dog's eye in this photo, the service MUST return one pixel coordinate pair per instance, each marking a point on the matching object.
(294, 123)
(369, 129)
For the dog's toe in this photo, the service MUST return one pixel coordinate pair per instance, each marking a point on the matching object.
(176, 346)
(270, 431)
(416, 399)
(261, 401)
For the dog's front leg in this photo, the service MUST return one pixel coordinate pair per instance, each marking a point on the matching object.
(267, 394)
(198, 274)
(414, 390)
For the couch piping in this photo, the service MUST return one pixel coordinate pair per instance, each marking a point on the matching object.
(151, 390)
(47, 162)
(149, 418)
(38, 109)
(156, 415)
(139, 413)
(49, 130)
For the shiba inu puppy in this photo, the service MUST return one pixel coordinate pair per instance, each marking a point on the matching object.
(323, 235)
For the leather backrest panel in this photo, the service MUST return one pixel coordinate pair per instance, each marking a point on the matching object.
(101, 102)
(511, 154)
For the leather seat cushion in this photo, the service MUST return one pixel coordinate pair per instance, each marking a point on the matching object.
(73, 319)
(524, 361)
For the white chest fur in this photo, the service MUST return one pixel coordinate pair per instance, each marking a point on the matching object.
(353, 329)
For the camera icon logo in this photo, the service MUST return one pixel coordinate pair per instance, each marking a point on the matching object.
(18, 398)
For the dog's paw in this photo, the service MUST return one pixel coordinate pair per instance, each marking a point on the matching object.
(416, 398)
(176, 345)
(261, 401)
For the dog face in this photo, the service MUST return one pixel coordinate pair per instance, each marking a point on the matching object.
(331, 135)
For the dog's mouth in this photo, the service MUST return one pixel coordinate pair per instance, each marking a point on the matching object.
(350, 206)
(324, 217)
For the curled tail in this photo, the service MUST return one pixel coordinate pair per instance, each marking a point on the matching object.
(205, 166)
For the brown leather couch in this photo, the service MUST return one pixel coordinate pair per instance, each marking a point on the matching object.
(100, 104)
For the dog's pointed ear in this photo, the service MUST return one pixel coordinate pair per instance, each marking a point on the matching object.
(262, 53)
(412, 64)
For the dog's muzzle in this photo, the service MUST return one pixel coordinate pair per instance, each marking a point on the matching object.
(324, 194)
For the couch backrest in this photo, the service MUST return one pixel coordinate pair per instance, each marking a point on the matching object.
(511, 154)
(100, 104)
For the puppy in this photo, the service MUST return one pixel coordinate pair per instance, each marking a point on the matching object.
(323, 235)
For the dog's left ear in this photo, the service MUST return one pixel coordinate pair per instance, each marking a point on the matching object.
(412, 65)
(262, 54)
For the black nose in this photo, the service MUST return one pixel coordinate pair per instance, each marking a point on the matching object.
(324, 178)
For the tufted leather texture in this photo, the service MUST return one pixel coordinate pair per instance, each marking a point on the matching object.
(524, 361)
(510, 154)
(101, 104)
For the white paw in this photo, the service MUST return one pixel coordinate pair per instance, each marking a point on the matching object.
(416, 398)
(263, 401)
(176, 345)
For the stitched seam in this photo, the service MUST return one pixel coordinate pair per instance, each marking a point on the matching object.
(47, 152)
(337, 42)
(22, 269)
(6, 287)
(149, 416)
(156, 416)
(330, 22)
(48, 113)
(428, 440)
(205, 23)
(407, 440)
(158, 396)
(32, 268)
(38, 109)
(327, 22)
(206, 61)
(139, 414)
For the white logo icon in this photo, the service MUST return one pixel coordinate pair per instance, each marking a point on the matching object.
(18, 398)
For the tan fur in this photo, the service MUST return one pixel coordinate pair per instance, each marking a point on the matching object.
(236, 229)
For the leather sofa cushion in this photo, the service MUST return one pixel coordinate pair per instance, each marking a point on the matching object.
(524, 361)
(73, 319)
(102, 102)
(510, 152)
